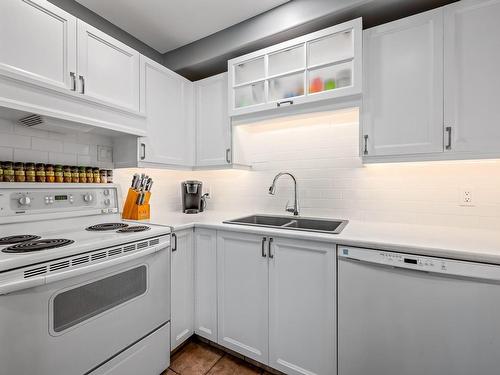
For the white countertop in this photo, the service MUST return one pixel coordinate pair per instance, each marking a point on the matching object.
(448, 242)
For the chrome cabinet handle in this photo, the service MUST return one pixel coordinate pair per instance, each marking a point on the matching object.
(284, 102)
(82, 82)
(174, 237)
(228, 159)
(448, 130)
(263, 247)
(143, 151)
(73, 80)
(365, 152)
(271, 255)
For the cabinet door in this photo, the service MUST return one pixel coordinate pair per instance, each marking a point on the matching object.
(472, 79)
(302, 314)
(205, 283)
(242, 288)
(108, 70)
(403, 88)
(213, 128)
(165, 98)
(182, 303)
(37, 42)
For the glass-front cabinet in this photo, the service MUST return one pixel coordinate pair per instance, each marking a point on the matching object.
(322, 65)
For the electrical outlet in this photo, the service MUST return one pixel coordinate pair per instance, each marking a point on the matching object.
(105, 154)
(466, 197)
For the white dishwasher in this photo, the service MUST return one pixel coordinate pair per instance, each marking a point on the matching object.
(401, 314)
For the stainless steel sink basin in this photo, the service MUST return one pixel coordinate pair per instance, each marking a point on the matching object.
(293, 223)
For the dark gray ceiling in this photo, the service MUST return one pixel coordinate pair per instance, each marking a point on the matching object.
(208, 56)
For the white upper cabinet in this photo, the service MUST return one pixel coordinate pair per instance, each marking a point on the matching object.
(403, 87)
(472, 78)
(108, 70)
(431, 85)
(167, 99)
(213, 127)
(322, 65)
(38, 43)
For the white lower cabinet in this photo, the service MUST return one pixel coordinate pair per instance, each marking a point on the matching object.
(205, 283)
(182, 297)
(276, 301)
(243, 299)
(302, 313)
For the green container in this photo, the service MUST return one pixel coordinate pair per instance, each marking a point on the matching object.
(329, 84)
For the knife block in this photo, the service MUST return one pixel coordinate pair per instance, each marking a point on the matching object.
(134, 211)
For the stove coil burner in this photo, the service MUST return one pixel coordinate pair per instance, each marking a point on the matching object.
(37, 245)
(106, 226)
(19, 238)
(135, 228)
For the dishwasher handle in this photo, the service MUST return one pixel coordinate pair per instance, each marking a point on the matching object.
(424, 264)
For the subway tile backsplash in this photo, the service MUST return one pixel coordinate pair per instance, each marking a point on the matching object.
(333, 181)
(21, 143)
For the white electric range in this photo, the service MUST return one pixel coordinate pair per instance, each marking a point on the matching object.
(81, 291)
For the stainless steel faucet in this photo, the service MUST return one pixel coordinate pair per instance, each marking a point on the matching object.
(272, 189)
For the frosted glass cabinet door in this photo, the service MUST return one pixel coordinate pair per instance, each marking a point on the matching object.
(38, 42)
(288, 86)
(249, 71)
(403, 87)
(287, 60)
(332, 48)
(472, 76)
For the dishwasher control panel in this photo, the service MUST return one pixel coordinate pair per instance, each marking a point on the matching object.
(421, 263)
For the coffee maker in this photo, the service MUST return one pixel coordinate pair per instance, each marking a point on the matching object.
(192, 201)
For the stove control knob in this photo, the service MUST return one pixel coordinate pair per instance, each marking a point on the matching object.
(88, 197)
(107, 202)
(106, 192)
(24, 201)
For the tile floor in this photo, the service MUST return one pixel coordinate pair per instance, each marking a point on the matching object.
(199, 358)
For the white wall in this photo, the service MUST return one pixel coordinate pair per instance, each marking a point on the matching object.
(24, 144)
(322, 151)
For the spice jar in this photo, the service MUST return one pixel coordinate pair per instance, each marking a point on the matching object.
(75, 175)
(40, 172)
(20, 176)
(49, 173)
(59, 173)
(110, 176)
(104, 176)
(90, 175)
(29, 171)
(82, 175)
(8, 171)
(67, 173)
(97, 176)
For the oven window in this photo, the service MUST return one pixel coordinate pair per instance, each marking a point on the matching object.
(84, 302)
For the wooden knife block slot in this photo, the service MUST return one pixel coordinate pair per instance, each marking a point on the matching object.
(134, 211)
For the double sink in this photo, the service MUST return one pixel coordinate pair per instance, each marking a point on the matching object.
(292, 223)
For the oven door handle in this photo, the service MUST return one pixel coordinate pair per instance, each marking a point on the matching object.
(17, 285)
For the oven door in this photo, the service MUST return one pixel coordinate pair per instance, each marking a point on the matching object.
(74, 325)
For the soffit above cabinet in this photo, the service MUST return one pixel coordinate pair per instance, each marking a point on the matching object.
(166, 25)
